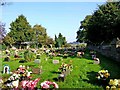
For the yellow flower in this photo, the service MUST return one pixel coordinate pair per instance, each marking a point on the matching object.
(107, 87)
(115, 82)
(113, 87)
(106, 75)
(111, 82)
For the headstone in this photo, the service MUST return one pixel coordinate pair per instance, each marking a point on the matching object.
(36, 70)
(55, 61)
(37, 61)
(96, 62)
(6, 69)
(67, 72)
(61, 77)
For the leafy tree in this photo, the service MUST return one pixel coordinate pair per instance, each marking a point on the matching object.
(82, 32)
(103, 22)
(49, 41)
(8, 41)
(60, 40)
(103, 25)
(2, 31)
(40, 34)
(19, 28)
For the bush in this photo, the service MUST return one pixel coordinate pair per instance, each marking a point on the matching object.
(29, 55)
(3, 46)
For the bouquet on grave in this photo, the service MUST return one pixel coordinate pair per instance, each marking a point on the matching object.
(113, 83)
(65, 67)
(48, 84)
(1, 82)
(29, 84)
(103, 75)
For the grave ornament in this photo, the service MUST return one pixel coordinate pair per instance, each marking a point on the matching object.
(6, 69)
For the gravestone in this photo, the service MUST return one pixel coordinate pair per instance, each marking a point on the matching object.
(96, 62)
(36, 70)
(37, 61)
(61, 77)
(55, 61)
(6, 69)
(67, 72)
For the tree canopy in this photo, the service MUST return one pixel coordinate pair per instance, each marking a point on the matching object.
(60, 40)
(102, 26)
(21, 31)
(19, 28)
(2, 31)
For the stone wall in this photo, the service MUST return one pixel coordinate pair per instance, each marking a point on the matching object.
(108, 51)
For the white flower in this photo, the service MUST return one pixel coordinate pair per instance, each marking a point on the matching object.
(98, 77)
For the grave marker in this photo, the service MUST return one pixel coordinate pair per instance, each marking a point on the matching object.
(6, 69)
(96, 62)
(55, 61)
(36, 70)
(37, 61)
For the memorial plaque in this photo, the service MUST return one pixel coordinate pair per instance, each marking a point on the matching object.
(96, 62)
(37, 61)
(36, 70)
(55, 61)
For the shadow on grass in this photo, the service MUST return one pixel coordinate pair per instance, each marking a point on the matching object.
(93, 80)
(92, 77)
(87, 56)
(111, 65)
(54, 72)
(55, 79)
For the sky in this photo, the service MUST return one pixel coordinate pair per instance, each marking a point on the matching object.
(56, 17)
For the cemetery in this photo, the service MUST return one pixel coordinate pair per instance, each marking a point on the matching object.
(30, 59)
(71, 71)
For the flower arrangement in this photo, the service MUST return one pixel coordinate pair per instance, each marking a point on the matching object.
(65, 67)
(103, 75)
(49, 84)
(30, 84)
(1, 82)
(113, 83)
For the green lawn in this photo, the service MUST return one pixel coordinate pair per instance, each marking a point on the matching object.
(82, 76)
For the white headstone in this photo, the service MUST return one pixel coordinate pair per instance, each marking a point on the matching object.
(37, 61)
(96, 62)
(55, 61)
(6, 69)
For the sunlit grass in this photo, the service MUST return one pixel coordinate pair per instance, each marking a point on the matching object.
(82, 76)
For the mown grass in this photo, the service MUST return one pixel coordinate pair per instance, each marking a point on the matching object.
(82, 76)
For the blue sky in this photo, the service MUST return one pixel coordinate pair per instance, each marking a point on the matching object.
(56, 17)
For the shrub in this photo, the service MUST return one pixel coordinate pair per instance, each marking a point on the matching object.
(3, 46)
(29, 55)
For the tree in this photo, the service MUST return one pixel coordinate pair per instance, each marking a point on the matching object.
(82, 32)
(19, 29)
(103, 25)
(2, 31)
(60, 40)
(103, 22)
(40, 34)
(49, 41)
(8, 41)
